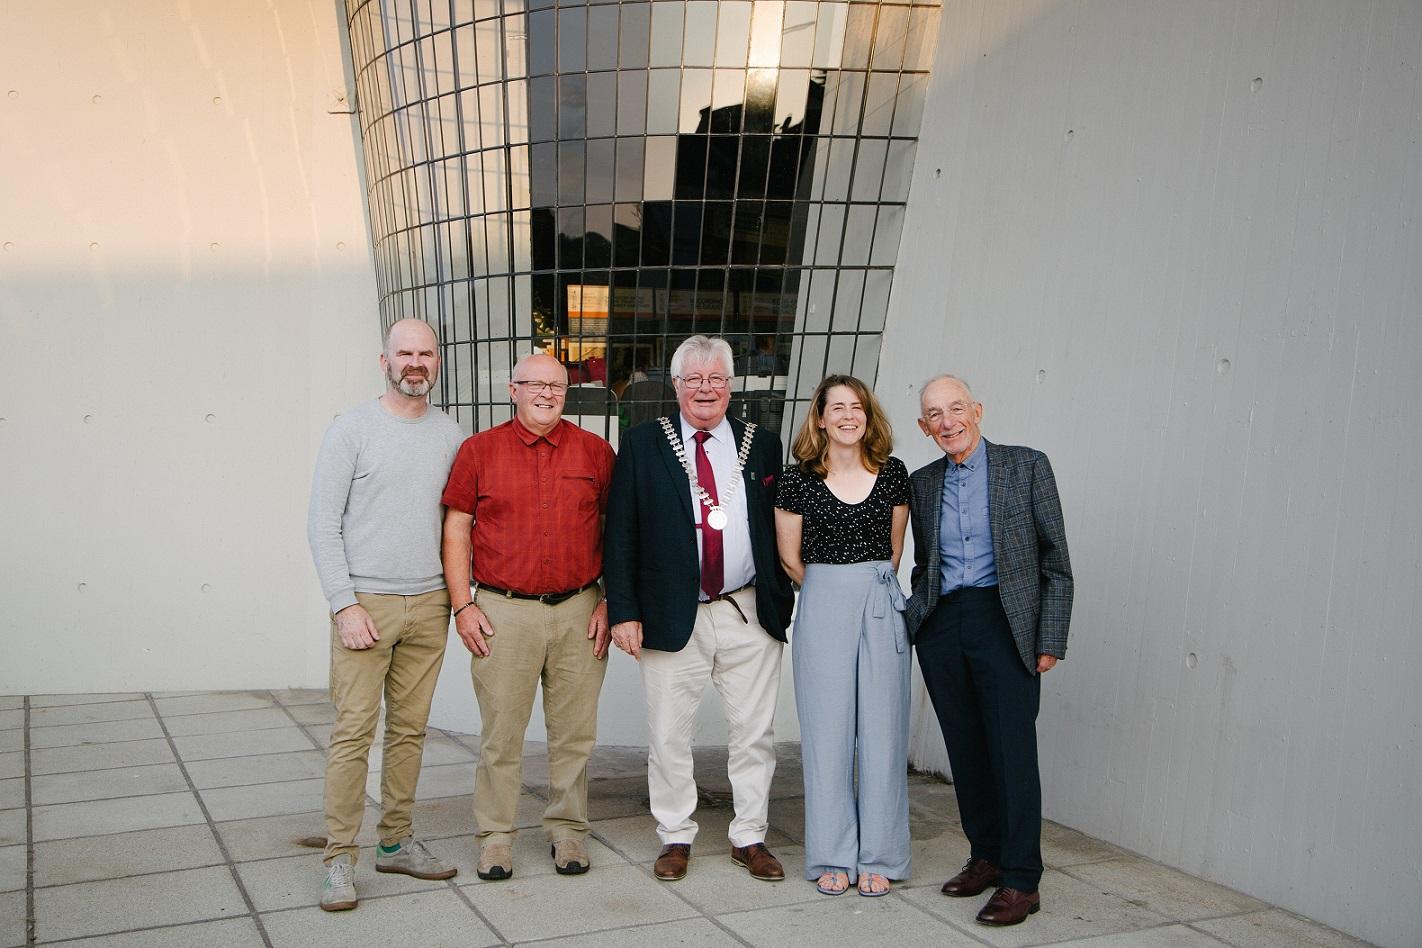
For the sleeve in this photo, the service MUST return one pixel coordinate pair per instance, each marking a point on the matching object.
(896, 482)
(789, 492)
(461, 490)
(330, 491)
(1056, 583)
(619, 538)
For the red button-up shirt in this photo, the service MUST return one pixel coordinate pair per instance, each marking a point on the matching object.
(537, 503)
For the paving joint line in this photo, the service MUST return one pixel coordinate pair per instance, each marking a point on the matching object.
(212, 827)
(31, 922)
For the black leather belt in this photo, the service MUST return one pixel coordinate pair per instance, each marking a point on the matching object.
(548, 599)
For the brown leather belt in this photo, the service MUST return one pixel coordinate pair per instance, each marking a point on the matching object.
(727, 597)
(548, 599)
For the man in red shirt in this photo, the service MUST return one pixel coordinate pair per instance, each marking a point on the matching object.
(525, 503)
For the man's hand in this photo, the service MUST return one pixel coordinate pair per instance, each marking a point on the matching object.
(473, 628)
(598, 630)
(356, 628)
(1045, 663)
(628, 637)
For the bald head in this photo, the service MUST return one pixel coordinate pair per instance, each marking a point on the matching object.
(539, 388)
(410, 359)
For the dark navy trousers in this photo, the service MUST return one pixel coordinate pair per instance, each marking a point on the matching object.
(986, 701)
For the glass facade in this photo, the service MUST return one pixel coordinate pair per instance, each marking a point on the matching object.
(602, 180)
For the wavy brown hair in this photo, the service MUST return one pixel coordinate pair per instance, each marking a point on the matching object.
(811, 446)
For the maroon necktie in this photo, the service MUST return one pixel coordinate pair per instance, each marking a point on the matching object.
(713, 561)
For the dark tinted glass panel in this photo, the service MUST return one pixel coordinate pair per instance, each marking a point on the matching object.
(572, 39)
(602, 104)
(570, 238)
(542, 109)
(602, 38)
(690, 167)
(721, 154)
(656, 233)
(686, 240)
(543, 186)
(716, 232)
(745, 241)
(627, 235)
(635, 35)
(572, 107)
(600, 170)
(755, 162)
(571, 156)
(542, 43)
(597, 245)
(630, 158)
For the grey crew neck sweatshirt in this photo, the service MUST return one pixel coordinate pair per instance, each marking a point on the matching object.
(375, 516)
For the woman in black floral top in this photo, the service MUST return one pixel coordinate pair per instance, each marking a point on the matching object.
(840, 519)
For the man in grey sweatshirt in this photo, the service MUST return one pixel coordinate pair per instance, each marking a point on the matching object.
(374, 527)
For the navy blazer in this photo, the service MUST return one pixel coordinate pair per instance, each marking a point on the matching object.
(650, 562)
(1029, 548)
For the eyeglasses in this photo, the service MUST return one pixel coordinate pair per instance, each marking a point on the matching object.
(717, 382)
(557, 388)
(956, 411)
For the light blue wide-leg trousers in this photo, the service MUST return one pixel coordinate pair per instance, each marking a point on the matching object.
(851, 661)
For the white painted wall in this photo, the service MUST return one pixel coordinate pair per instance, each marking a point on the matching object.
(186, 300)
(1176, 246)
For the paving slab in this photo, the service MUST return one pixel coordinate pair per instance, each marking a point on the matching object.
(443, 750)
(1275, 928)
(270, 836)
(12, 765)
(213, 701)
(716, 885)
(12, 793)
(274, 740)
(937, 854)
(295, 881)
(1070, 909)
(1063, 846)
(105, 784)
(89, 859)
(635, 837)
(259, 768)
(323, 713)
(101, 817)
(12, 827)
(11, 718)
(12, 702)
(848, 919)
(100, 756)
(264, 799)
(12, 868)
(91, 713)
(225, 722)
(51, 701)
(532, 907)
(1167, 891)
(12, 920)
(121, 905)
(95, 732)
(298, 696)
(437, 917)
(227, 933)
(447, 780)
(12, 740)
(1171, 936)
(700, 932)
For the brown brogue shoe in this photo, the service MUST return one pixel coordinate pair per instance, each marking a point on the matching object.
(671, 864)
(1009, 907)
(977, 876)
(758, 861)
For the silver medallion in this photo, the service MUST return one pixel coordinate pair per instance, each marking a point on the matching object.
(716, 519)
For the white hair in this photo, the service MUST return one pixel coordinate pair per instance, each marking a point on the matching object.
(702, 349)
(943, 377)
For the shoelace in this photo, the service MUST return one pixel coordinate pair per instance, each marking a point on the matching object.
(340, 874)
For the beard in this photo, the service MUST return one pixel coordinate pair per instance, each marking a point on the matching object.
(415, 383)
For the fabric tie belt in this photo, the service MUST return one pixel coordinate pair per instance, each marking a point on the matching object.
(886, 593)
(548, 599)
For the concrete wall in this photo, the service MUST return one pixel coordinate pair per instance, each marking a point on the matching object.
(1175, 245)
(186, 300)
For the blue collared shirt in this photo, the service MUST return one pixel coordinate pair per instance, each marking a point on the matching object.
(964, 534)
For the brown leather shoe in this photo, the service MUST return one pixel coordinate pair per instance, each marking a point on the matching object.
(758, 861)
(1009, 907)
(671, 864)
(976, 877)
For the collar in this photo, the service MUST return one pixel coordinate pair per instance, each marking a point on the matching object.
(974, 460)
(530, 439)
(721, 432)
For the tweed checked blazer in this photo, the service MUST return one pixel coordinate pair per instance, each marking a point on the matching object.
(1028, 545)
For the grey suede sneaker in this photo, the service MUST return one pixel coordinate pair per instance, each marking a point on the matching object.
(411, 858)
(338, 891)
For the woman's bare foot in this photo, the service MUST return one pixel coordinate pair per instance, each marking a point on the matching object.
(872, 884)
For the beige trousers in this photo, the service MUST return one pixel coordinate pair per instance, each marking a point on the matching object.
(403, 666)
(535, 643)
(743, 662)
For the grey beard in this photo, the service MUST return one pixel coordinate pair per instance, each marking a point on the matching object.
(414, 387)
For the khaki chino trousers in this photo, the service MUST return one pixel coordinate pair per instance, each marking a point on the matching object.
(402, 667)
(535, 644)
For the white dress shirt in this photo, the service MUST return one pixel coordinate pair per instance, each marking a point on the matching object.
(722, 449)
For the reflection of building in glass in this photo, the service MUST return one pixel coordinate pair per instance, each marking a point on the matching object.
(604, 179)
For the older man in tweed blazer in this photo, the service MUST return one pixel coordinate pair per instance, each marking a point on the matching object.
(992, 591)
